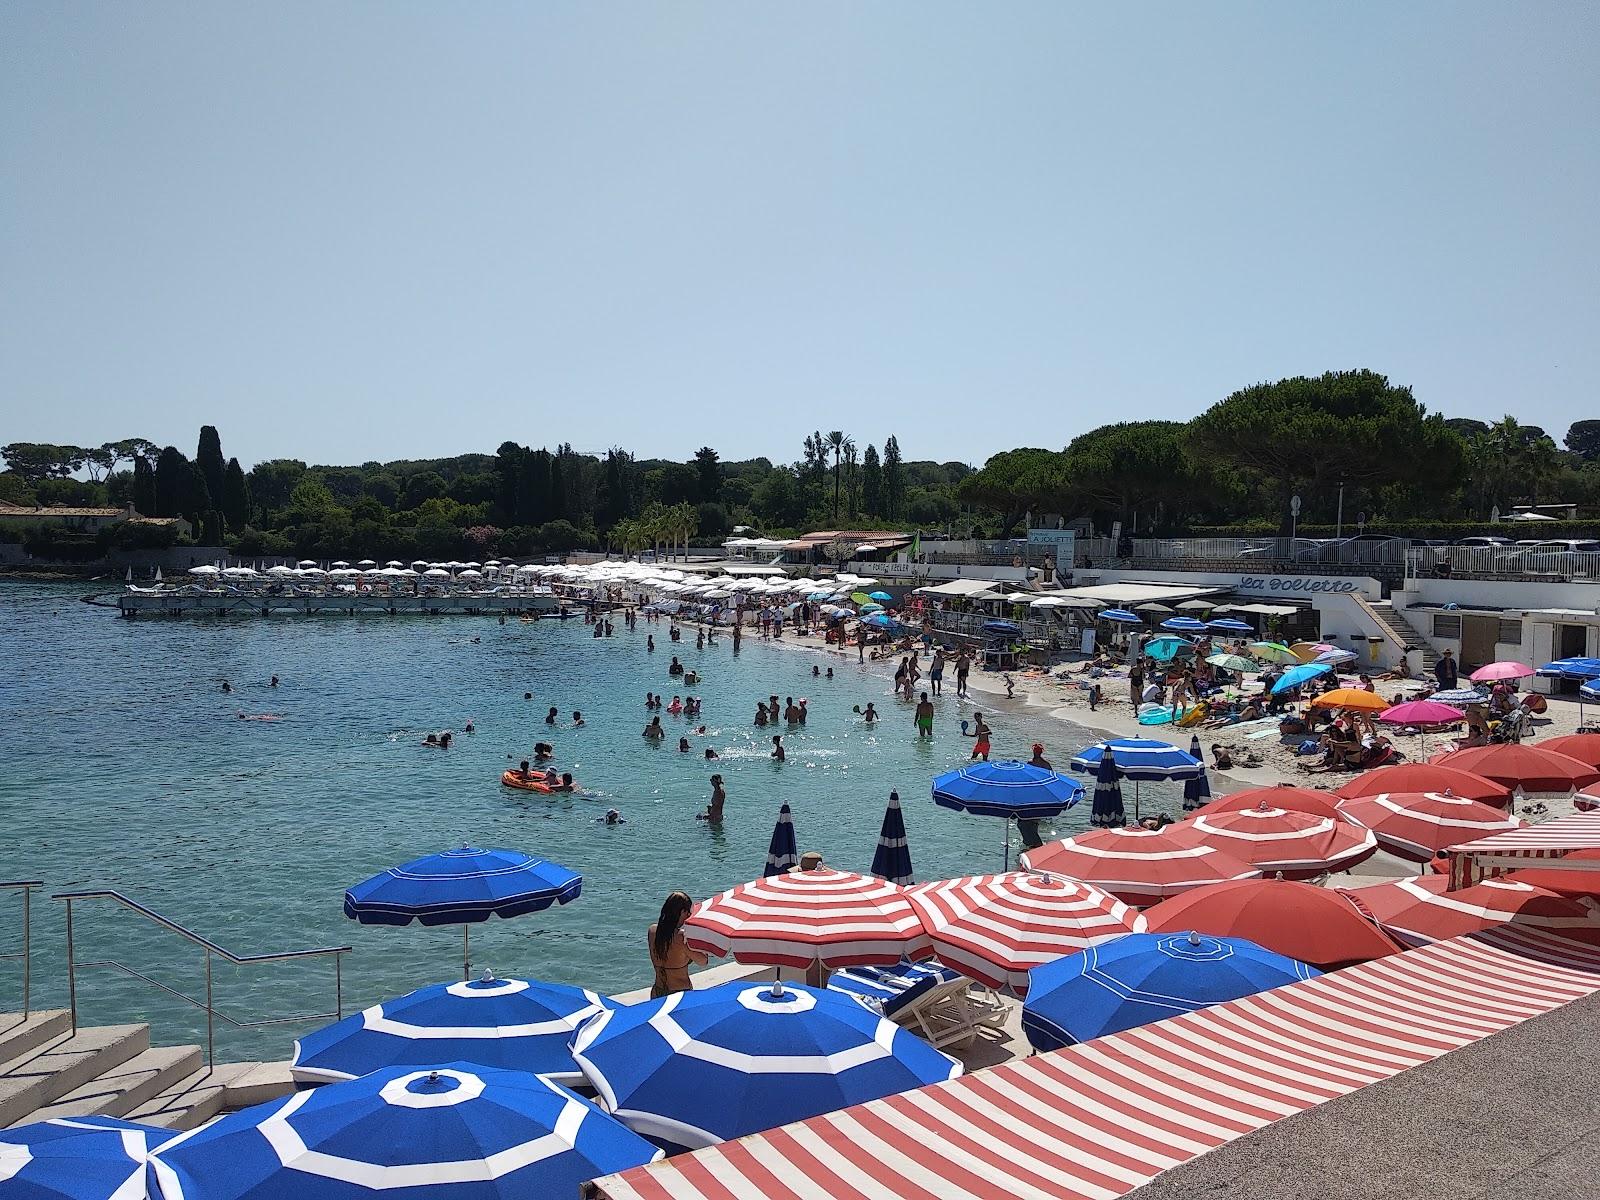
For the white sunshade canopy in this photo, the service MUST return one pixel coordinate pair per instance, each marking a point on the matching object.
(436, 573)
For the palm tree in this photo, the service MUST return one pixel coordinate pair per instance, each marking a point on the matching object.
(836, 441)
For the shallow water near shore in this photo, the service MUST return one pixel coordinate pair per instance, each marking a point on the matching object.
(127, 767)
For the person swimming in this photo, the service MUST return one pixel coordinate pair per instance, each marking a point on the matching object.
(550, 717)
(226, 686)
(675, 707)
(869, 714)
(761, 714)
(273, 682)
(830, 673)
(683, 745)
(612, 817)
(710, 753)
(577, 719)
(815, 670)
(470, 728)
(653, 731)
(543, 750)
(431, 740)
(676, 668)
(777, 748)
(527, 695)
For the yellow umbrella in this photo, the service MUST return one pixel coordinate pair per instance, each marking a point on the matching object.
(1351, 698)
(1274, 652)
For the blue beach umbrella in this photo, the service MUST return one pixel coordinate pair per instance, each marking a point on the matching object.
(462, 887)
(1571, 668)
(1295, 676)
(1009, 790)
(1164, 649)
(1184, 625)
(1121, 616)
(883, 596)
(1008, 627)
(1591, 690)
(880, 620)
(1196, 788)
(77, 1158)
(783, 852)
(1108, 812)
(695, 1068)
(1139, 758)
(869, 608)
(457, 1131)
(820, 596)
(1143, 977)
(892, 859)
(1230, 625)
(514, 1024)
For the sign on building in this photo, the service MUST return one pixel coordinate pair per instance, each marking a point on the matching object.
(1061, 540)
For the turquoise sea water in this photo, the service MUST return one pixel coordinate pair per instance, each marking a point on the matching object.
(126, 766)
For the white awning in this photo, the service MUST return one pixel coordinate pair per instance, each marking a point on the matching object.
(1124, 594)
(1266, 610)
(960, 587)
(754, 570)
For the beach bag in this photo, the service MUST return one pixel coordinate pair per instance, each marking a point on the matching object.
(1309, 746)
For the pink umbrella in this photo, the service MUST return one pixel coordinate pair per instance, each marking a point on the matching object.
(1421, 713)
(1501, 670)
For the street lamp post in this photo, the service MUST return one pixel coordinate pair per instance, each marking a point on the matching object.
(1338, 529)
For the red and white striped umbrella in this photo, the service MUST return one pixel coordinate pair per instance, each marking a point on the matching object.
(996, 928)
(1419, 911)
(838, 918)
(1275, 841)
(1137, 866)
(1417, 825)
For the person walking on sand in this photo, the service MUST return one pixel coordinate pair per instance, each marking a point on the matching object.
(963, 665)
(1136, 684)
(1444, 671)
(670, 955)
(924, 717)
(936, 673)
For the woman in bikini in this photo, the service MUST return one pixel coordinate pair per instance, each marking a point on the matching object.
(669, 953)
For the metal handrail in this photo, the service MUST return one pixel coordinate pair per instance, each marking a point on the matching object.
(25, 886)
(212, 949)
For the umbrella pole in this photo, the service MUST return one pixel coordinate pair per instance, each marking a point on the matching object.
(466, 952)
(1005, 857)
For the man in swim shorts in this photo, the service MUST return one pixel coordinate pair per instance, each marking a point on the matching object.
(980, 734)
(924, 718)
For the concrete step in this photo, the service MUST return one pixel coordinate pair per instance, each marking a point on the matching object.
(126, 1086)
(19, 1034)
(53, 1069)
(201, 1095)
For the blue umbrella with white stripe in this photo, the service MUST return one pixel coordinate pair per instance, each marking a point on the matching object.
(1143, 977)
(784, 851)
(695, 1068)
(1139, 759)
(892, 859)
(458, 1131)
(516, 1024)
(1184, 625)
(1121, 616)
(1295, 676)
(77, 1158)
(1009, 790)
(1196, 788)
(462, 887)
(1230, 625)
(1108, 812)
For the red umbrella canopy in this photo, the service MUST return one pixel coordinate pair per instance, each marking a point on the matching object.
(1419, 911)
(1315, 925)
(1566, 883)
(837, 918)
(1417, 825)
(1426, 777)
(1281, 795)
(1137, 866)
(996, 928)
(1275, 841)
(1585, 747)
(1526, 767)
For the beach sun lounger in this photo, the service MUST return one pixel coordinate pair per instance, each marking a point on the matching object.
(940, 1005)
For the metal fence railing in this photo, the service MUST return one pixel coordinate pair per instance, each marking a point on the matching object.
(1502, 562)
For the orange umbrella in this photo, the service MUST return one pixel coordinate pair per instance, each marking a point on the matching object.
(1585, 747)
(1279, 795)
(1357, 698)
(1529, 768)
(1417, 825)
(1421, 910)
(1426, 777)
(1275, 841)
(1313, 924)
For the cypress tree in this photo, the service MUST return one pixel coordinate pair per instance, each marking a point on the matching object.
(144, 486)
(171, 482)
(208, 457)
(235, 497)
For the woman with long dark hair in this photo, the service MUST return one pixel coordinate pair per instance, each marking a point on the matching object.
(669, 953)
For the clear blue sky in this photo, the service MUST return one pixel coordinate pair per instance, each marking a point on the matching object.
(351, 231)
